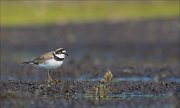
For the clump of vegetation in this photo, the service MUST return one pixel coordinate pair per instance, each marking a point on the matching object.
(101, 90)
(107, 77)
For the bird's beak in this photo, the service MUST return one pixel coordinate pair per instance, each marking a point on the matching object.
(66, 54)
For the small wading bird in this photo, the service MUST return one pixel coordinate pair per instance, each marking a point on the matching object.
(50, 60)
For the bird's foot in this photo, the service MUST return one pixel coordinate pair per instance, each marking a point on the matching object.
(54, 81)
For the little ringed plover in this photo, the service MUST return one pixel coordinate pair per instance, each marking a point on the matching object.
(50, 60)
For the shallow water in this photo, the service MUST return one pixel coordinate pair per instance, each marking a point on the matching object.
(133, 100)
(133, 78)
(84, 78)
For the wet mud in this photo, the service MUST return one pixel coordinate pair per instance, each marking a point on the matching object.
(75, 93)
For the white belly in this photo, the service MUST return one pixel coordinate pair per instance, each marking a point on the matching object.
(51, 64)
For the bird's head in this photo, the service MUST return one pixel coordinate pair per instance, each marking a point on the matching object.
(60, 52)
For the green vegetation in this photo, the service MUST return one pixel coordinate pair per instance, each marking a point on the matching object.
(21, 13)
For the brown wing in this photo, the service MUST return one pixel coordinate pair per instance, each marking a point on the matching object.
(43, 58)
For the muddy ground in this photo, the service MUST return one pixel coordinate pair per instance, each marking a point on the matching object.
(82, 94)
(143, 57)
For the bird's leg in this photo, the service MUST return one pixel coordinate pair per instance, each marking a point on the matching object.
(49, 77)
(51, 80)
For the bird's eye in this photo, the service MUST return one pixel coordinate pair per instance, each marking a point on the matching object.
(60, 51)
(57, 52)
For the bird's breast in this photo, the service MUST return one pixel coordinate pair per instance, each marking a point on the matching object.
(51, 64)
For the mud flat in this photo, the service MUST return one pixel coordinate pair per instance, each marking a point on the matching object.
(77, 93)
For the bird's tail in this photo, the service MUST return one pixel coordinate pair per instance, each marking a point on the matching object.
(27, 62)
